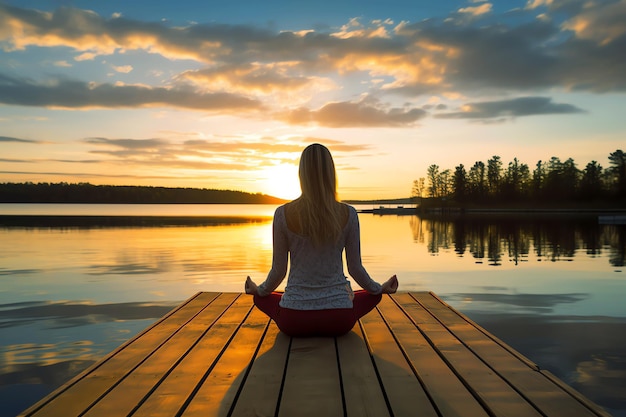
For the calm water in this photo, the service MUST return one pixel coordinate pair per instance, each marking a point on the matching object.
(73, 289)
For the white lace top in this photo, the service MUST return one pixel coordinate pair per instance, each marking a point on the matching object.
(316, 277)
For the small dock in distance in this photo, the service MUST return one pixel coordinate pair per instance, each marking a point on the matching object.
(397, 210)
(612, 219)
(217, 355)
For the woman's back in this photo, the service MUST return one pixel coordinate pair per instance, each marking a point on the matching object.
(294, 216)
(316, 276)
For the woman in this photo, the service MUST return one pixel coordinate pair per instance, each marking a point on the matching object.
(315, 229)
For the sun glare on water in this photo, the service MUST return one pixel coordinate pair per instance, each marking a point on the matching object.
(282, 181)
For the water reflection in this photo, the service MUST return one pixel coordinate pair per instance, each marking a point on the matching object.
(554, 295)
(585, 352)
(534, 303)
(50, 342)
(495, 239)
(70, 314)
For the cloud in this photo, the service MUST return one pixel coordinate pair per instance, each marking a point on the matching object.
(262, 146)
(73, 161)
(62, 63)
(11, 139)
(89, 175)
(4, 271)
(354, 29)
(337, 147)
(165, 153)
(242, 148)
(533, 4)
(87, 32)
(128, 143)
(537, 54)
(71, 94)
(246, 78)
(165, 158)
(517, 107)
(364, 113)
(123, 68)
(476, 10)
(234, 154)
(86, 56)
(568, 46)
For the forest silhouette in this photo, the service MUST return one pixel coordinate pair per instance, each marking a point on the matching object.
(104, 194)
(554, 182)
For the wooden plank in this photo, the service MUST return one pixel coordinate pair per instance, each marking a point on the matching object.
(506, 347)
(399, 381)
(495, 394)
(220, 388)
(535, 387)
(170, 396)
(447, 391)
(362, 391)
(312, 380)
(213, 324)
(579, 397)
(218, 355)
(262, 389)
(92, 384)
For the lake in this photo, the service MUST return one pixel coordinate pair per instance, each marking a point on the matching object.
(79, 280)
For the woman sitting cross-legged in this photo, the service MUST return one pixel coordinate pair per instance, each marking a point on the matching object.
(312, 232)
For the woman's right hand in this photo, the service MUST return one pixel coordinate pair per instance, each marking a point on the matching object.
(390, 286)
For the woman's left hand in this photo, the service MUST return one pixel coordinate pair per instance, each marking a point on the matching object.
(251, 287)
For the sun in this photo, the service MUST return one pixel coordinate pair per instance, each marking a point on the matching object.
(282, 181)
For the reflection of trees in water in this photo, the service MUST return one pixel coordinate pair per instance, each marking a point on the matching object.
(440, 234)
(518, 245)
(416, 226)
(617, 236)
(550, 238)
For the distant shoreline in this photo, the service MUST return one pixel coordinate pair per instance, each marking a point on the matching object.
(85, 193)
(140, 203)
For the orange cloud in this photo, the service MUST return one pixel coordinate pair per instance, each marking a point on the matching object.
(477, 10)
(210, 154)
(265, 78)
(366, 113)
(602, 24)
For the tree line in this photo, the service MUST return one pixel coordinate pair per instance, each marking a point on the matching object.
(111, 194)
(553, 182)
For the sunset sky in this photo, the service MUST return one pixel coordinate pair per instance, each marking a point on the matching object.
(226, 94)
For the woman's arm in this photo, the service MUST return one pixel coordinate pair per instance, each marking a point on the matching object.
(280, 255)
(353, 256)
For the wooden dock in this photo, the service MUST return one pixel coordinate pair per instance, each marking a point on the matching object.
(217, 355)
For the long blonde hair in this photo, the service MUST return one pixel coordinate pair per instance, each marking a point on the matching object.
(318, 210)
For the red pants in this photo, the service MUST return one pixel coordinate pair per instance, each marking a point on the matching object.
(330, 322)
